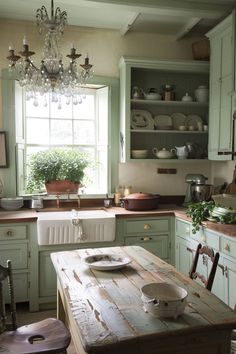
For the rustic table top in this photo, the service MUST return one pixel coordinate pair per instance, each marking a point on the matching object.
(107, 307)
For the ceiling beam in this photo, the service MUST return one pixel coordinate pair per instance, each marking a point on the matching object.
(187, 27)
(179, 8)
(128, 26)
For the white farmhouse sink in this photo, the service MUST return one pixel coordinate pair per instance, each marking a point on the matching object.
(74, 227)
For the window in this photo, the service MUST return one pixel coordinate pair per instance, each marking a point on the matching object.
(71, 125)
(84, 126)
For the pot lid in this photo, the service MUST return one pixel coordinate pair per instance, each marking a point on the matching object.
(141, 196)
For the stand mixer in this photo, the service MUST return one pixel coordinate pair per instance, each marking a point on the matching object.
(193, 180)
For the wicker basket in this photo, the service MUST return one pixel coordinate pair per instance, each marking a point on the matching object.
(201, 49)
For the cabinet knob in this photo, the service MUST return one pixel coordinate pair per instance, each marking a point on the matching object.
(9, 233)
(146, 238)
(147, 227)
(227, 247)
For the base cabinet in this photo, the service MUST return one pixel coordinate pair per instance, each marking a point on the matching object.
(152, 233)
(225, 278)
(18, 243)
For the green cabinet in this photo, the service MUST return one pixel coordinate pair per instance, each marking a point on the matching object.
(186, 76)
(18, 244)
(153, 233)
(222, 101)
(185, 245)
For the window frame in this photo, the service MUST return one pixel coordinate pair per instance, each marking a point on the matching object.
(12, 177)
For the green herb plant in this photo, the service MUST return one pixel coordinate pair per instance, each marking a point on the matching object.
(56, 164)
(199, 212)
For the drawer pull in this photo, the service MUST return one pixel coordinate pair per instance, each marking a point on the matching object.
(9, 233)
(147, 227)
(146, 238)
(227, 247)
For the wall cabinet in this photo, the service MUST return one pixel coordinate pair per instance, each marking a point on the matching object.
(222, 102)
(18, 243)
(186, 76)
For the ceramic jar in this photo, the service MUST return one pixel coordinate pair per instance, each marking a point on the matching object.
(202, 94)
(187, 98)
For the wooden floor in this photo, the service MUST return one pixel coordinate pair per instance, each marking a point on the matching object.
(26, 317)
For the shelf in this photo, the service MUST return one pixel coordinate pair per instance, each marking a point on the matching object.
(170, 103)
(170, 160)
(167, 131)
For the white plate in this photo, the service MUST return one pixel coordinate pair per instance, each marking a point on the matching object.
(193, 119)
(106, 261)
(163, 122)
(141, 119)
(178, 119)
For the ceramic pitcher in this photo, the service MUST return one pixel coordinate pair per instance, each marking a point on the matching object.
(181, 152)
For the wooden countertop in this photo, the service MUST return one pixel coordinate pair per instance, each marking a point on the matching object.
(105, 311)
(30, 215)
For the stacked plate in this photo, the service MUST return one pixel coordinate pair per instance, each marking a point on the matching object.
(12, 203)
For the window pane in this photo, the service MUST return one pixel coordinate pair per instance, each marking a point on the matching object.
(37, 131)
(84, 132)
(85, 110)
(65, 110)
(61, 132)
(42, 110)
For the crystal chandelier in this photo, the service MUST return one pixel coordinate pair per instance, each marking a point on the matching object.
(50, 76)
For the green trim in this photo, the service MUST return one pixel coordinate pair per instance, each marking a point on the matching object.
(9, 99)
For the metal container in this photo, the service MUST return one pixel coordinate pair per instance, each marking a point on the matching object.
(141, 201)
(201, 192)
(36, 203)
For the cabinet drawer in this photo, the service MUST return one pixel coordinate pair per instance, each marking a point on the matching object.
(8, 233)
(183, 228)
(146, 226)
(206, 237)
(17, 253)
(20, 281)
(157, 245)
(228, 247)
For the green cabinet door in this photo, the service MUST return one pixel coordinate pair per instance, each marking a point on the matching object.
(47, 275)
(184, 254)
(229, 282)
(221, 105)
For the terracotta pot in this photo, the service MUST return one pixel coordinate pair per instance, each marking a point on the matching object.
(141, 201)
(62, 187)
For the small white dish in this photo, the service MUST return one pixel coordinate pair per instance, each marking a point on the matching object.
(187, 98)
(139, 154)
(106, 261)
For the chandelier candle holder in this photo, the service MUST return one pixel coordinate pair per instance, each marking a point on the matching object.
(51, 76)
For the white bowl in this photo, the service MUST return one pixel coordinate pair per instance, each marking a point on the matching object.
(163, 299)
(139, 154)
(12, 203)
(225, 200)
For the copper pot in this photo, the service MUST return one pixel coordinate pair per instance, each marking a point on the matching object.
(141, 201)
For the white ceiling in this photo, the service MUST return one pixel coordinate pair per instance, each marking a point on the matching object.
(174, 17)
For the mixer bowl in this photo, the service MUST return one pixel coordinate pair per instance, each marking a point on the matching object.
(201, 192)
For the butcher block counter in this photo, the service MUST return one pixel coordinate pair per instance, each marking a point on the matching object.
(104, 310)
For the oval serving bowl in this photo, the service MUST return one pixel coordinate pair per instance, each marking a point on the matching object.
(164, 299)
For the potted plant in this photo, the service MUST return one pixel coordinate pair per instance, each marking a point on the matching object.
(59, 170)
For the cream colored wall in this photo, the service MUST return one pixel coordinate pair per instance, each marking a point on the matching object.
(105, 47)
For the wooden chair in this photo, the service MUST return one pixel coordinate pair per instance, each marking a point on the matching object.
(49, 336)
(213, 257)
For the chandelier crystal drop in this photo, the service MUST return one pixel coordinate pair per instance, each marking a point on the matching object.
(51, 76)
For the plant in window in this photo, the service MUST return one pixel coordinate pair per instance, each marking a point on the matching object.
(52, 167)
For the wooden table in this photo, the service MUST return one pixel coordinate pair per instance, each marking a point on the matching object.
(104, 311)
